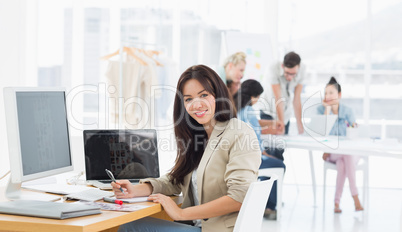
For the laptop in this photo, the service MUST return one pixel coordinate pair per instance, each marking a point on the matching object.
(320, 125)
(128, 154)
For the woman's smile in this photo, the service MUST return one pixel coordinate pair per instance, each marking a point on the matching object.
(200, 113)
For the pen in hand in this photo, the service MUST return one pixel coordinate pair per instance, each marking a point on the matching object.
(110, 174)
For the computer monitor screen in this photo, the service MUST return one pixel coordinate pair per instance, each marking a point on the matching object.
(38, 135)
(129, 154)
(43, 131)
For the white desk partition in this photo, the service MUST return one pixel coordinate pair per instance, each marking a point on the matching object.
(336, 144)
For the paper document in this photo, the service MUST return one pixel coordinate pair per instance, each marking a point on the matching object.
(115, 207)
(92, 194)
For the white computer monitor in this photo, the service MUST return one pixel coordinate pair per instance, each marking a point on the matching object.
(38, 137)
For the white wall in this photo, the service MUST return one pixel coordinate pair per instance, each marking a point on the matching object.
(10, 72)
(16, 68)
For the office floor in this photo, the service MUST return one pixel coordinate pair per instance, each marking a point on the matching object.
(382, 213)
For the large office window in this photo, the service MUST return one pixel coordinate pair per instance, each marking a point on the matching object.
(357, 43)
(73, 35)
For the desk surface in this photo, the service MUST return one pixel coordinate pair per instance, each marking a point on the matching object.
(340, 145)
(101, 222)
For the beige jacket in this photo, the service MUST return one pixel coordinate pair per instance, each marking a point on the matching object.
(229, 164)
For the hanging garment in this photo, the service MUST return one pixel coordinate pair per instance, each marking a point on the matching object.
(136, 86)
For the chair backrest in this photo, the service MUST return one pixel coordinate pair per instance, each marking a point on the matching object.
(252, 209)
(267, 172)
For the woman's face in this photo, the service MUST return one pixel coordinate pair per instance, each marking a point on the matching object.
(199, 103)
(332, 95)
(236, 72)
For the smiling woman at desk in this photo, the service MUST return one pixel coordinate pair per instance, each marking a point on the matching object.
(345, 164)
(218, 157)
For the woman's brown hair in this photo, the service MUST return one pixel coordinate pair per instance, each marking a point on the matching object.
(190, 135)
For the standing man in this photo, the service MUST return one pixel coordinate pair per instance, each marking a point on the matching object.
(287, 84)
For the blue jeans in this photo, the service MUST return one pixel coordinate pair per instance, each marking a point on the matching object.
(268, 162)
(150, 224)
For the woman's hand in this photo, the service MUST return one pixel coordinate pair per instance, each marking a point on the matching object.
(330, 102)
(325, 103)
(328, 106)
(171, 208)
(127, 187)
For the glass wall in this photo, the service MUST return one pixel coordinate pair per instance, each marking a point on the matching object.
(74, 35)
(357, 43)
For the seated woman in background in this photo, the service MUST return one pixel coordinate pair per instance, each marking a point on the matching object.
(248, 94)
(217, 159)
(345, 164)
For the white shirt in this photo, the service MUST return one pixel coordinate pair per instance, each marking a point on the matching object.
(195, 195)
(267, 102)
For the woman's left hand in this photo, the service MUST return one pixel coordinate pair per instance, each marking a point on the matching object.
(171, 208)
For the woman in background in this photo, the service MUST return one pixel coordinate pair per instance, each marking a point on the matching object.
(345, 164)
(233, 87)
(233, 71)
(248, 95)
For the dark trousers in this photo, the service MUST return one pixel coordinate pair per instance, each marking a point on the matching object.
(268, 162)
(276, 152)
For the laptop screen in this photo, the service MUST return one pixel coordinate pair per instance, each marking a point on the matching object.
(129, 154)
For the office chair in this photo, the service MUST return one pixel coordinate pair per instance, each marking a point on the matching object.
(252, 209)
(360, 167)
(279, 172)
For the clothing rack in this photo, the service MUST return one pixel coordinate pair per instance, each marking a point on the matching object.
(124, 48)
(121, 52)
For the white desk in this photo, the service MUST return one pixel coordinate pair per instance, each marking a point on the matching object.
(339, 145)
